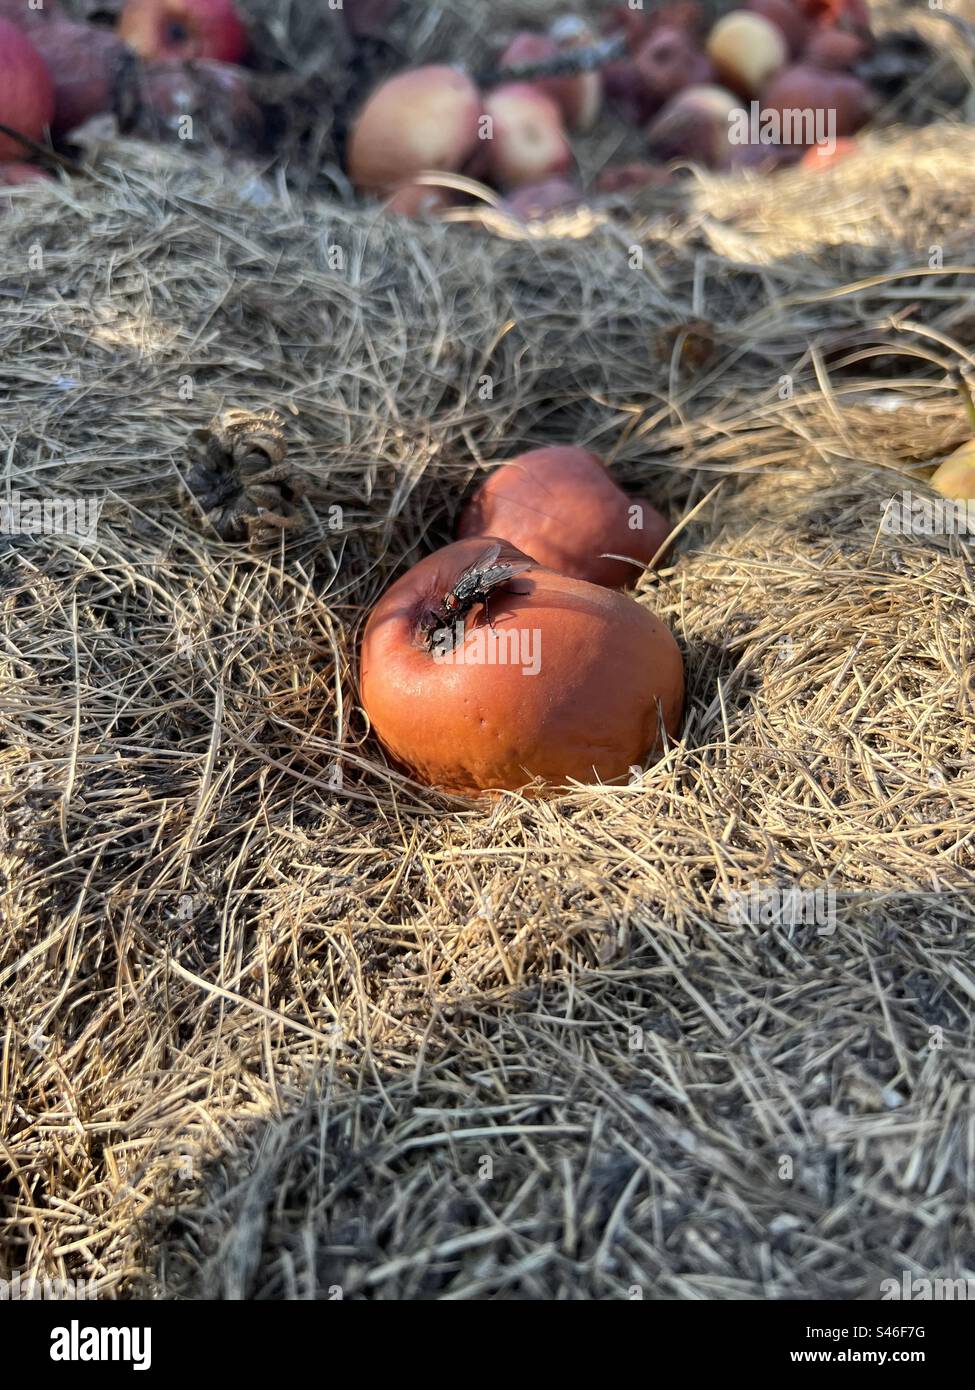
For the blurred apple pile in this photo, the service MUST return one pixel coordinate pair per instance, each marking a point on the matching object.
(57, 72)
(678, 77)
(670, 76)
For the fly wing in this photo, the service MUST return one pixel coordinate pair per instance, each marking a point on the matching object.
(472, 578)
(486, 560)
(500, 574)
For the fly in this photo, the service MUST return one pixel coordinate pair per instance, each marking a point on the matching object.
(474, 586)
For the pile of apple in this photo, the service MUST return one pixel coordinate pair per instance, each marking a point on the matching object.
(56, 73)
(678, 81)
(553, 673)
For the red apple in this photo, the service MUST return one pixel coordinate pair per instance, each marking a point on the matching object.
(747, 50)
(83, 61)
(560, 505)
(577, 97)
(184, 29)
(835, 50)
(13, 174)
(419, 120)
(620, 178)
(668, 61)
(561, 680)
(527, 48)
(843, 14)
(26, 90)
(821, 156)
(525, 141)
(626, 92)
(788, 17)
(412, 199)
(839, 98)
(695, 125)
(536, 201)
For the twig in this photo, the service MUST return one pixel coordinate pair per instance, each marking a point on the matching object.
(43, 151)
(569, 64)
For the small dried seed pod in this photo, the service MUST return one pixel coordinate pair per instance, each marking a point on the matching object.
(240, 480)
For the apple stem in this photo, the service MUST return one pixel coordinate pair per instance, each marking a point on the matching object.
(964, 390)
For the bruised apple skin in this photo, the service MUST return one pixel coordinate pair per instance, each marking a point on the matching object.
(561, 506)
(601, 663)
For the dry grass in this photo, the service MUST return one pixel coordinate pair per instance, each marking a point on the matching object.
(274, 1019)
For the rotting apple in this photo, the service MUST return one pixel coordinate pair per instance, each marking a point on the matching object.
(561, 680)
(668, 61)
(524, 139)
(747, 50)
(561, 506)
(422, 119)
(85, 63)
(184, 29)
(26, 91)
(786, 16)
(536, 201)
(626, 92)
(843, 99)
(834, 49)
(578, 96)
(695, 126)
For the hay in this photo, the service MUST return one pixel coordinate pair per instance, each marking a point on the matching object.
(276, 1020)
